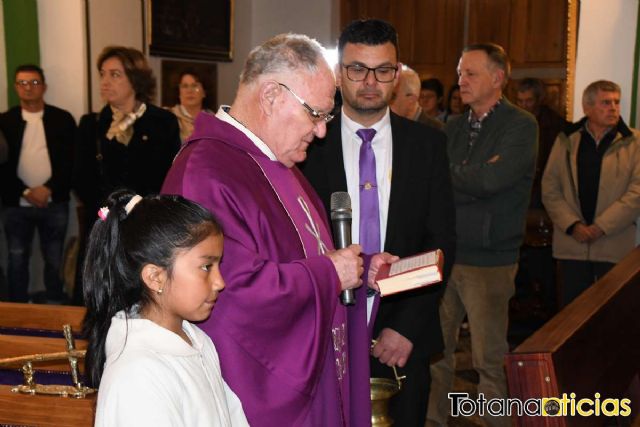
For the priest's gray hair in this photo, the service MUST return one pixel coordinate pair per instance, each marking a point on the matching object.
(282, 53)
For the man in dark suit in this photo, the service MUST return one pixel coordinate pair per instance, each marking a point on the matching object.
(411, 210)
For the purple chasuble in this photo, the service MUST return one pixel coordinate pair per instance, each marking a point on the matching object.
(313, 234)
(284, 341)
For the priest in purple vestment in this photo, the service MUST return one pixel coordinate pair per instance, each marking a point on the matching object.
(291, 352)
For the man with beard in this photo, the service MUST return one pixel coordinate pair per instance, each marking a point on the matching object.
(397, 174)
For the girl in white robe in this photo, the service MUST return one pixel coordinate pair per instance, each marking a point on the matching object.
(152, 267)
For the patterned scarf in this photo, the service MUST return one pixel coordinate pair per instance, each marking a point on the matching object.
(184, 120)
(121, 125)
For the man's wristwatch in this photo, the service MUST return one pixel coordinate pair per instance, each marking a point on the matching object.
(26, 192)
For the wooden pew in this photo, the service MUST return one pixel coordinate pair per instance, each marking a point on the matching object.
(21, 330)
(44, 411)
(18, 320)
(40, 316)
(591, 346)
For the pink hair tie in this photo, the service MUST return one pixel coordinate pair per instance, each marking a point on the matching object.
(103, 212)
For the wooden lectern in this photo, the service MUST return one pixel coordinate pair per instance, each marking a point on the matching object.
(591, 346)
(27, 329)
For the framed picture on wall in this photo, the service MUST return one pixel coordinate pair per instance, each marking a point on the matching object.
(194, 29)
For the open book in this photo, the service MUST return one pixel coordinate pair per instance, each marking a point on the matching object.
(409, 273)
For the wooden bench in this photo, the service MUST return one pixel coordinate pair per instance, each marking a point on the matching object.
(27, 329)
(19, 322)
(591, 346)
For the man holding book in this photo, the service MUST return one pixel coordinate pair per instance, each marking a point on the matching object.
(396, 172)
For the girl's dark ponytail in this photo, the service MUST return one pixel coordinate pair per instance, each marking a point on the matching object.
(119, 246)
(103, 279)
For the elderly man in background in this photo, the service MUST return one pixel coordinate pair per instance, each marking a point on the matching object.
(530, 96)
(281, 333)
(591, 189)
(405, 100)
(492, 150)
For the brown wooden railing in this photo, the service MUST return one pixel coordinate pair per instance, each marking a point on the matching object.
(591, 346)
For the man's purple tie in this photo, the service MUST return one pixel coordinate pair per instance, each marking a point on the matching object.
(369, 209)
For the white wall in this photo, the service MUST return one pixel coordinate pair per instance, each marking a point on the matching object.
(112, 22)
(258, 20)
(606, 43)
(229, 72)
(62, 53)
(63, 46)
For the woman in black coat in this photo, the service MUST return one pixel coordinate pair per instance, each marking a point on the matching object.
(129, 143)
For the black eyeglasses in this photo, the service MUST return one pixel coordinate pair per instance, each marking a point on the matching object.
(358, 73)
(25, 83)
(316, 116)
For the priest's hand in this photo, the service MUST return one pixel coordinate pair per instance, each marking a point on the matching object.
(348, 264)
(377, 261)
(391, 348)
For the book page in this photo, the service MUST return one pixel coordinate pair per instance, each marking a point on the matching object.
(411, 263)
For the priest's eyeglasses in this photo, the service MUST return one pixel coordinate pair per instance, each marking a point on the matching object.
(25, 83)
(316, 116)
(359, 72)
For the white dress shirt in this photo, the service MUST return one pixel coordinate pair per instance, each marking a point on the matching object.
(223, 115)
(383, 150)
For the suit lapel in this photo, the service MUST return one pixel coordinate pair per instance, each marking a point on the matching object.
(399, 165)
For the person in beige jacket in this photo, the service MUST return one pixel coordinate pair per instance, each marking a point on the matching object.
(591, 190)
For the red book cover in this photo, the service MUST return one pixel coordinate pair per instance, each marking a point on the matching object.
(413, 272)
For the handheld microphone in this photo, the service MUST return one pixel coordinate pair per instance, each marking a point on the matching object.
(341, 224)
